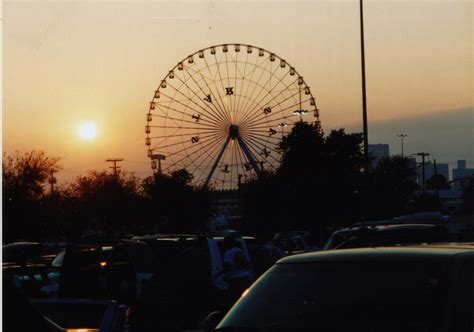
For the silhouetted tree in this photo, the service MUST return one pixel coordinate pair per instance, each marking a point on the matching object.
(393, 186)
(173, 198)
(468, 197)
(437, 181)
(25, 176)
(317, 183)
(106, 200)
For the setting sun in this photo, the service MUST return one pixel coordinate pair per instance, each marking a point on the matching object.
(87, 131)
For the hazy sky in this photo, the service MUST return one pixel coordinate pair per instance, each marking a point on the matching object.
(69, 62)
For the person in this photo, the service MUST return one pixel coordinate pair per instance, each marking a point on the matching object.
(236, 267)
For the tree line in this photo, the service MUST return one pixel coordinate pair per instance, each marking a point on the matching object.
(322, 181)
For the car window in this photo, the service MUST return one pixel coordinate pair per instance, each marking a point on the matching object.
(388, 296)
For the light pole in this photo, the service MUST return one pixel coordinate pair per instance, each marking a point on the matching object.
(364, 96)
(423, 155)
(402, 137)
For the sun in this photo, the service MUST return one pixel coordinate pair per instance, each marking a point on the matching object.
(87, 131)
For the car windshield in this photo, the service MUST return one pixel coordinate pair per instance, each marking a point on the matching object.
(343, 296)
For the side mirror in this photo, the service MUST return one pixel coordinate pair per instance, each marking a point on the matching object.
(211, 321)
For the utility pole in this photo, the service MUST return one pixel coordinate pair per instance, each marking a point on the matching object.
(364, 96)
(402, 136)
(114, 167)
(436, 178)
(423, 155)
(52, 182)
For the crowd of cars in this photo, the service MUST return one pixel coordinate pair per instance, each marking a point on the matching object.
(379, 277)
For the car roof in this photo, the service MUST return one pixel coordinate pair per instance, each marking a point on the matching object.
(381, 228)
(446, 250)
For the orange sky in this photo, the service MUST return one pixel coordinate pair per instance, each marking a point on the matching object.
(69, 62)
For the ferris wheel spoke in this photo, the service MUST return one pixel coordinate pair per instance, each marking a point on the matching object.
(268, 115)
(206, 149)
(209, 120)
(260, 104)
(207, 152)
(178, 143)
(272, 73)
(267, 146)
(220, 79)
(277, 113)
(164, 148)
(209, 144)
(257, 67)
(256, 83)
(199, 124)
(242, 79)
(213, 156)
(184, 134)
(253, 113)
(242, 162)
(206, 106)
(274, 121)
(257, 150)
(251, 74)
(212, 117)
(210, 97)
(214, 81)
(180, 127)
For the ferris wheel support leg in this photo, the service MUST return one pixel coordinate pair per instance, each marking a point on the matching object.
(249, 156)
(214, 166)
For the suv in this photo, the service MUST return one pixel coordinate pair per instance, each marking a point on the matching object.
(425, 288)
(386, 235)
(188, 284)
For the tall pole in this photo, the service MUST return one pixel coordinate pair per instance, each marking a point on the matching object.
(364, 97)
(402, 137)
(423, 155)
(52, 181)
(114, 161)
(436, 178)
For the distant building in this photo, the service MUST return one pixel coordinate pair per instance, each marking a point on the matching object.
(442, 169)
(377, 152)
(461, 172)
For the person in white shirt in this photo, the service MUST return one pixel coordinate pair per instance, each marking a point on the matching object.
(236, 268)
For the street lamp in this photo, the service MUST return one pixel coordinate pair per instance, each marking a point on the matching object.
(300, 112)
(402, 137)
(158, 157)
(282, 126)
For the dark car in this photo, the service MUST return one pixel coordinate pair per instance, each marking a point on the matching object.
(104, 270)
(386, 235)
(28, 252)
(83, 315)
(424, 288)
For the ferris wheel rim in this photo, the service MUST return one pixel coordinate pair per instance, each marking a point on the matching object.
(255, 138)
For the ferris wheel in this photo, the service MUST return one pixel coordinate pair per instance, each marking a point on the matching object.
(221, 112)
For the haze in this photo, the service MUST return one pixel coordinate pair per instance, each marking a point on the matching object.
(67, 62)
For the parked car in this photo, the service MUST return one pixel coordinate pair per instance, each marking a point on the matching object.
(421, 288)
(31, 279)
(188, 285)
(83, 315)
(386, 235)
(28, 252)
(104, 270)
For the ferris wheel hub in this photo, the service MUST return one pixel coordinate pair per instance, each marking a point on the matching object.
(233, 131)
